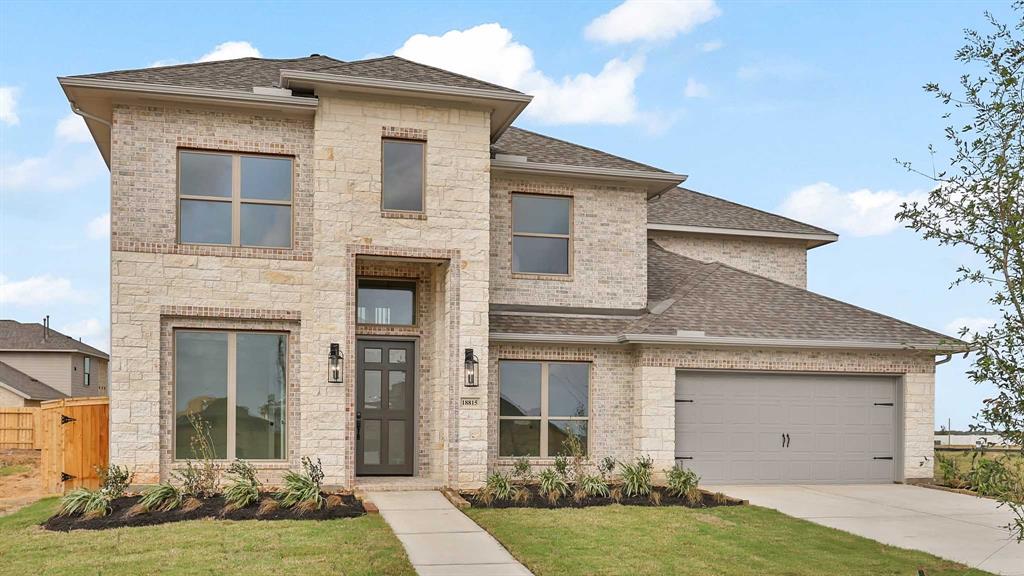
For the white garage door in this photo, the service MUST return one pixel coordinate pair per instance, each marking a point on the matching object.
(758, 428)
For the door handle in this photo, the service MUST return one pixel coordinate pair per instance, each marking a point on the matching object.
(359, 424)
(785, 440)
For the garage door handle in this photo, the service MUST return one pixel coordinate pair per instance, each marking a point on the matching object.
(883, 458)
(883, 403)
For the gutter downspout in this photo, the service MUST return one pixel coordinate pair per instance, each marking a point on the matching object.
(84, 114)
(944, 360)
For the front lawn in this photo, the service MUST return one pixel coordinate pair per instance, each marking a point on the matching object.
(680, 541)
(362, 545)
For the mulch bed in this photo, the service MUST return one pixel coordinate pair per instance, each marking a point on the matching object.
(120, 516)
(708, 500)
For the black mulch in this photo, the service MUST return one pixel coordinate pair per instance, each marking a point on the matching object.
(119, 515)
(708, 500)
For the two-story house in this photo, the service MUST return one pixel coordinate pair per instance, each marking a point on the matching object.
(365, 262)
(38, 363)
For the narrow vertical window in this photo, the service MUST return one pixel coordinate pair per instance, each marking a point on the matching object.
(541, 234)
(87, 371)
(402, 175)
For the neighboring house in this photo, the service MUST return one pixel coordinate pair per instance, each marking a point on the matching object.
(364, 262)
(59, 363)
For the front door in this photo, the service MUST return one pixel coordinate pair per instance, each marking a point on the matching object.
(385, 383)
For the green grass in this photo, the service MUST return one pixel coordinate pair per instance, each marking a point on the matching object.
(350, 546)
(680, 541)
(14, 469)
(1014, 458)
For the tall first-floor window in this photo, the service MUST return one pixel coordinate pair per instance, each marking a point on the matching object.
(541, 404)
(230, 386)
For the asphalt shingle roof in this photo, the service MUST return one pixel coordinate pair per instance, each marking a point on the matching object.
(548, 150)
(397, 68)
(15, 335)
(27, 385)
(683, 207)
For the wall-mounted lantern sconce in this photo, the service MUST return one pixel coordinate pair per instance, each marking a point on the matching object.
(472, 368)
(335, 364)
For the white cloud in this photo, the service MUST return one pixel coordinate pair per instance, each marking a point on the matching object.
(9, 105)
(711, 46)
(61, 168)
(773, 69)
(37, 290)
(695, 89)
(974, 325)
(72, 130)
(860, 212)
(489, 52)
(646, 20)
(92, 331)
(230, 51)
(98, 227)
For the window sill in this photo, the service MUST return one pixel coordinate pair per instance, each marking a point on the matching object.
(257, 464)
(400, 215)
(551, 277)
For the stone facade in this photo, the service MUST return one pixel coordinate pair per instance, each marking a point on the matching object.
(781, 260)
(609, 257)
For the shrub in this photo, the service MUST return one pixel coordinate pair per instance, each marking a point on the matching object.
(114, 480)
(163, 497)
(562, 465)
(89, 503)
(682, 483)
(606, 467)
(500, 485)
(636, 477)
(552, 484)
(521, 471)
(987, 476)
(200, 478)
(949, 471)
(303, 488)
(594, 486)
(244, 488)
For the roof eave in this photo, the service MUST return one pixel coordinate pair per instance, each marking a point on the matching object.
(14, 391)
(813, 239)
(654, 182)
(505, 106)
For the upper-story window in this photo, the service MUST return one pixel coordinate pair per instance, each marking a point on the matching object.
(402, 175)
(386, 302)
(541, 234)
(87, 371)
(234, 199)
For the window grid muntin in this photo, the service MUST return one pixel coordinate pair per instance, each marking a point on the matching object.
(544, 416)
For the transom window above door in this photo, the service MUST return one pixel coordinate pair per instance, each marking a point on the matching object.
(386, 302)
(542, 403)
(402, 186)
(541, 234)
(234, 199)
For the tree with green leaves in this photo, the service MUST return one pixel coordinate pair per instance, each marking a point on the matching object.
(977, 202)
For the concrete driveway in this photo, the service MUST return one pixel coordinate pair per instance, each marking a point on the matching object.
(958, 527)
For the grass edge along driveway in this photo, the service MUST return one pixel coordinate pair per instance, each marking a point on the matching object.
(725, 541)
(353, 546)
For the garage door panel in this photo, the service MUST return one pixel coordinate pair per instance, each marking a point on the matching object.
(734, 428)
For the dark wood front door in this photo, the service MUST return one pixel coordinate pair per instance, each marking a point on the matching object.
(385, 383)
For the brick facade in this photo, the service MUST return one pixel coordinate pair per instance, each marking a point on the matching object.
(781, 260)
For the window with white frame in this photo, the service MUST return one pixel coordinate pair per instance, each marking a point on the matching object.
(230, 386)
(541, 404)
(234, 199)
(541, 234)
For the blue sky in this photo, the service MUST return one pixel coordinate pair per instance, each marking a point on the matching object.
(793, 107)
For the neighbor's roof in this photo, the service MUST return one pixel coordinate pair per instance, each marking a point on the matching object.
(684, 207)
(548, 150)
(27, 385)
(15, 335)
(711, 302)
(243, 74)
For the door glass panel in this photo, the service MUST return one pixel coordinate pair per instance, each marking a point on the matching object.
(371, 442)
(260, 361)
(266, 225)
(371, 389)
(520, 388)
(203, 222)
(535, 255)
(396, 356)
(396, 442)
(372, 355)
(201, 390)
(519, 438)
(266, 178)
(396, 389)
(567, 389)
(558, 432)
(205, 174)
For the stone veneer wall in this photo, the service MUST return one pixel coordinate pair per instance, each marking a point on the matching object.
(609, 254)
(781, 260)
(633, 392)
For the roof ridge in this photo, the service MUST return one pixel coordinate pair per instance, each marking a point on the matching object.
(198, 64)
(745, 207)
(586, 148)
(445, 70)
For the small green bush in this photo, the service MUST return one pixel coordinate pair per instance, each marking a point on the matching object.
(244, 488)
(86, 502)
(114, 480)
(636, 477)
(500, 485)
(562, 465)
(303, 488)
(594, 486)
(521, 471)
(552, 484)
(163, 497)
(682, 483)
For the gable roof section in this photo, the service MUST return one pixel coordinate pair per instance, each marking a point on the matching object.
(545, 149)
(399, 69)
(20, 336)
(25, 385)
(684, 208)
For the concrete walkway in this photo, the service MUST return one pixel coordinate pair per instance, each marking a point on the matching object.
(441, 540)
(959, 527)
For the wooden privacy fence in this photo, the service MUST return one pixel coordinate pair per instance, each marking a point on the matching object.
(21, 428)
(75, 442)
